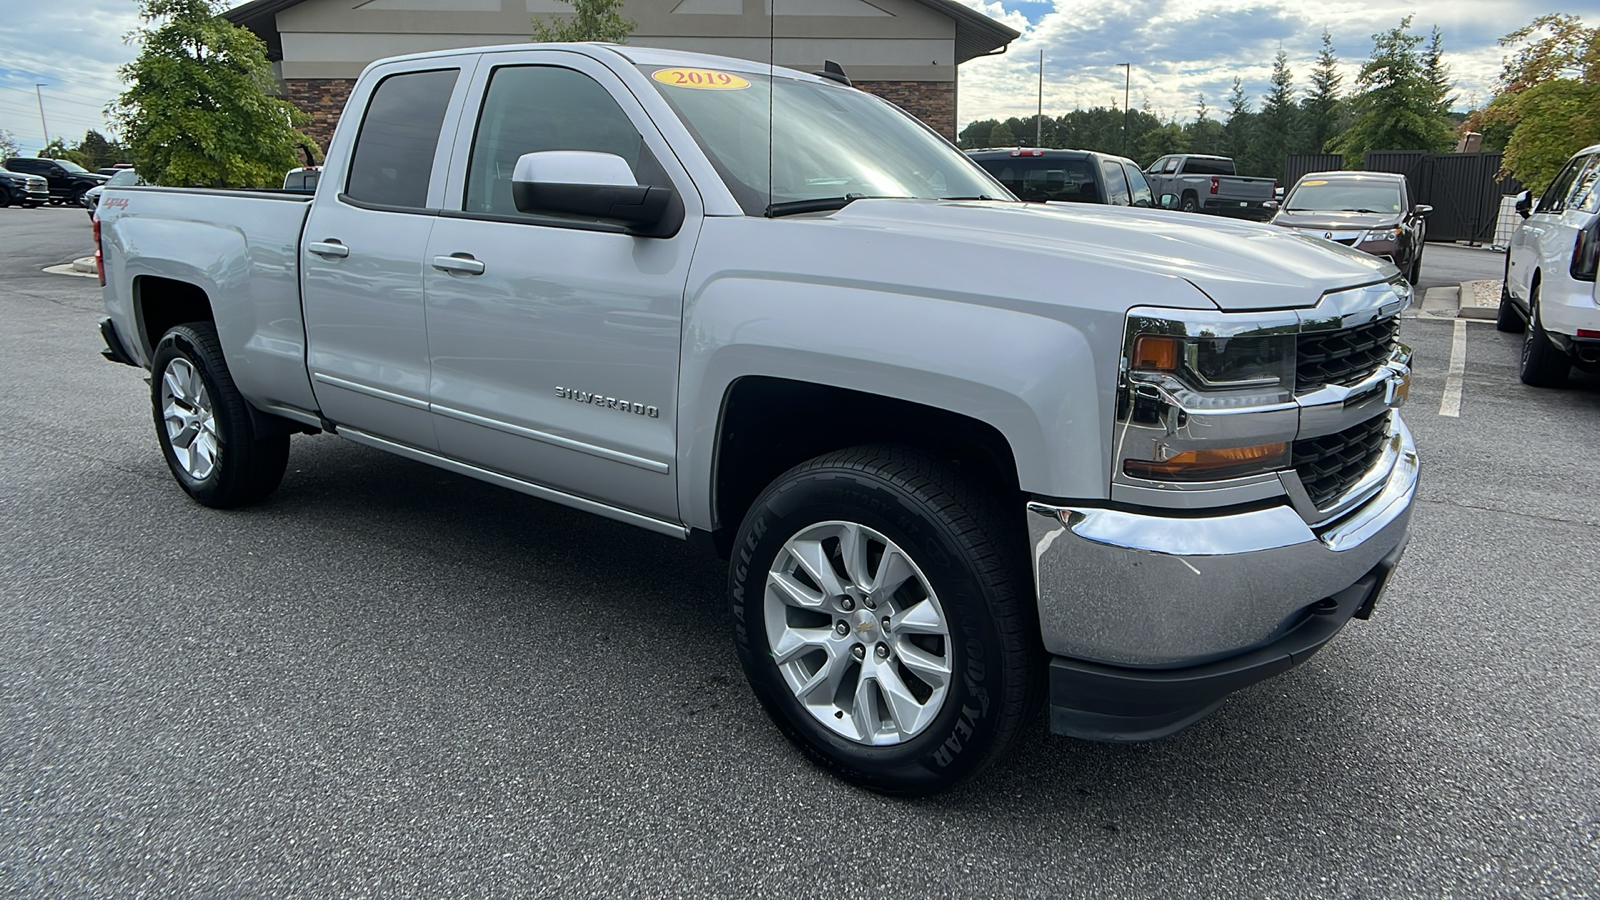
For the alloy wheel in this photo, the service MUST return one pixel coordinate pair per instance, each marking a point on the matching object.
(857, 633)
(190, 421)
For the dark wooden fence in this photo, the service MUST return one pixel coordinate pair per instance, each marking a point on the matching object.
(1463, 188)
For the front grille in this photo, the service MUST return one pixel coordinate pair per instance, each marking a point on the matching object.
(1343, 357)
(1331, 464)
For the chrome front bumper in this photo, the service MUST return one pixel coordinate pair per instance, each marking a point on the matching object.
(1148, 590)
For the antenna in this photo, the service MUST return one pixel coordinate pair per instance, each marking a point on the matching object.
(772, 85)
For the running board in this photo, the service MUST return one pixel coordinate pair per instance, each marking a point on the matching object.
(517, 484)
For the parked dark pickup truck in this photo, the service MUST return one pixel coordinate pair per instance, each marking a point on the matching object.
(1210, 184)
(1067, 176)
(68, 180)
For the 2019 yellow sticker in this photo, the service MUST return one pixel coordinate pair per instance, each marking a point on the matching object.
(701, 79)
(1312, 183)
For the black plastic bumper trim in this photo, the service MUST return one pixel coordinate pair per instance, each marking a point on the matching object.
(114, 349)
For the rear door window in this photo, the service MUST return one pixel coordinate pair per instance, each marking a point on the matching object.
(399, 137)
(1142, 195)
(1116, 182)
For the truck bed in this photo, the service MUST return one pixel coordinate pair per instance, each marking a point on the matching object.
(240, 244)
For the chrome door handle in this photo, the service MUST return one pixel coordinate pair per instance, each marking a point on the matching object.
(329, 249)
(464, 264)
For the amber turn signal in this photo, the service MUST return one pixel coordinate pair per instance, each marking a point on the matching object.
(1211, 465)
(1155, 353)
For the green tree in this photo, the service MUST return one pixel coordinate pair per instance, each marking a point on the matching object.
(595, 20)
(1169, 137)
(1320, 110)
(976, 134)
(1547, 104)
(1000, 136)
(1279, 122)
(1239, 132)
(1204, 133)
(199, 107)
(58, 149)
(1399, 104)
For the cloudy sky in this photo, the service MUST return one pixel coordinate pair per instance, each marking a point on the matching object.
(1178, 50)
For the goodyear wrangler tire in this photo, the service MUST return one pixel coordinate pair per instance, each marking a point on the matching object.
(884, 614)
(204, 424)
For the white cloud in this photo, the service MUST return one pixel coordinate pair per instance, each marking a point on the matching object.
(73, 49)
(1180, 49)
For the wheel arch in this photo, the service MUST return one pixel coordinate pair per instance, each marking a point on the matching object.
(767, 425)
(160, 302)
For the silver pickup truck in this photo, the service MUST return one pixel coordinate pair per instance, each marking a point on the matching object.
(964, 454)
(1211, 184)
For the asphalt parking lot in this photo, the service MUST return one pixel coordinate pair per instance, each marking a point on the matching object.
(392, 681)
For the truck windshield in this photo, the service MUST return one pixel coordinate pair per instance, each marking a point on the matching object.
(825, 141)
(1326, 196)
(70, 166)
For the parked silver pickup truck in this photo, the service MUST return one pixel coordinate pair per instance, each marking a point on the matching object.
(1211, 184)
(1154, 462)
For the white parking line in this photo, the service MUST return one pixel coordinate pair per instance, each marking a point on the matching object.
(1450, 403)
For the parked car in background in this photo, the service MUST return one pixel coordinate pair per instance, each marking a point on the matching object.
(1550, 288)
(1210, 184)
(22, 189)
(1069, 176)
(302, 179)
(1370, 211)
(122, 178)
(68, 180)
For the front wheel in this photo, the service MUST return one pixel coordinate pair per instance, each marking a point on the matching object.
(884, 619)
(1507, 318)
(1543, 363)
(204, 424)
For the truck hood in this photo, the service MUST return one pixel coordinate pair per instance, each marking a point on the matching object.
(1238, 265)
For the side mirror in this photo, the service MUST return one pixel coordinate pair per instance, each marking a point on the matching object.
(588, 184)
(1421, 209)
(1524, 204)
(1271, 205)
(1169, 201)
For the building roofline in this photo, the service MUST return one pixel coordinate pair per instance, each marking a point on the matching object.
(976, 33)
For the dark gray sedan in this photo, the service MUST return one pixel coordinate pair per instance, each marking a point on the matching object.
(1370, 211)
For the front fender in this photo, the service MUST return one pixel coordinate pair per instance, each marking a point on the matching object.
(1036, 380)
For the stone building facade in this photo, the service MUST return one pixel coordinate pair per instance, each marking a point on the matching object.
(906, 51)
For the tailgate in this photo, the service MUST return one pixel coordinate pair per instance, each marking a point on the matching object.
(1236, 187)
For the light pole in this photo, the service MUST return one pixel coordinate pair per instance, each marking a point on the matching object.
(37, 93)
(1127, 79)
(1038, 120)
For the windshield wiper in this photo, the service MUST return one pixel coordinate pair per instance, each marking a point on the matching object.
(1349, 209)
(818, 204)
(978, 197)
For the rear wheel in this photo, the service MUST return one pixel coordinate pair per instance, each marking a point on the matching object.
(1190, 203)
(1415, 274)
(883, 614)
(204, 424)
(1543, 363)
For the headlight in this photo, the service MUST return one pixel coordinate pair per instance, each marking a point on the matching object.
(1206, 397)
(1212, 366)
(1381, 234)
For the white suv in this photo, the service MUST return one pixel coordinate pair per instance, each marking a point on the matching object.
(1550, 275)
